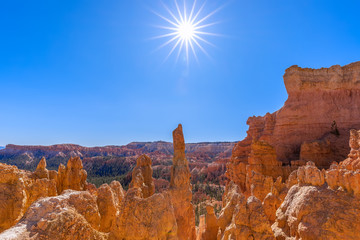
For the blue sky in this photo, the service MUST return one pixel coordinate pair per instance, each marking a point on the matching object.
(85, 72)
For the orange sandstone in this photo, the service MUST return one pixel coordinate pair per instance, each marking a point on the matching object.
(180, 189)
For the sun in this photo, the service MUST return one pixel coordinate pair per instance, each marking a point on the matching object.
(186, 29)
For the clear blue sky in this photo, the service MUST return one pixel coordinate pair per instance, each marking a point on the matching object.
(85, 72)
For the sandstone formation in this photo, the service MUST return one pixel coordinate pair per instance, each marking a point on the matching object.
(122, 158)
(81, 211)
(73, 176)
(313, 125)
(180, 188)
(143, 214)
(41, 171)
(322, 205)
(240, 218)
(145, 218)
(103, 213)
(142, 176)
(353, 160)
(206, 160)
(72, 215)
(13, 198)
(287, 179)
(19, 189)
(109, 199)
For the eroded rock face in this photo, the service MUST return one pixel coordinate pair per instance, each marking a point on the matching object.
(73, 176)
(13, 198)
(41, 171)
(321, 205)
(180, 189)
(19, 189)
(317, 212)
(141, 214)
(240, 218)
(353, 160)
(142, 176)
(313, 125)
(145, 218)
(72, 215)
(211, 226)
(108, 202)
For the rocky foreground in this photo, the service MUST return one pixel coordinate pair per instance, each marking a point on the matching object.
(295, 176)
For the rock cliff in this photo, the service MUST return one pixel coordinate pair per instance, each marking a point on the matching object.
(322, 204)
(313, 125)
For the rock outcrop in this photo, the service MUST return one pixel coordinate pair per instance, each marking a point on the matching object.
(240, 218)
(142, 176)
(109, 199)
(323, 204)
(180, 189)
(73, 176)
(317, 212)
(143, 214)
(313, 125)
(13, 197)
(145, 218)
(19, 189)
(72, 215)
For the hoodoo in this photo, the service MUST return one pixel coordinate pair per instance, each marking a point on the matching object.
(180, 188)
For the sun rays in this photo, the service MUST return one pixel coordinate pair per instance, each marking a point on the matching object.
(186, 29)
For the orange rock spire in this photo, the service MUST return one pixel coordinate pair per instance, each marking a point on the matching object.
(180, 188)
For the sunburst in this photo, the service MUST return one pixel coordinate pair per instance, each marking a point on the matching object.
(186, 29)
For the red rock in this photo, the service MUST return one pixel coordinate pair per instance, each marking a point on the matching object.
(313, 124)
